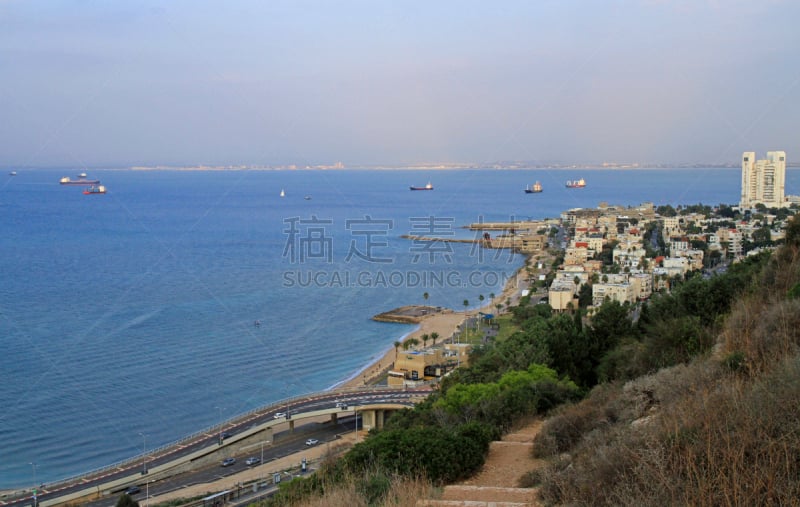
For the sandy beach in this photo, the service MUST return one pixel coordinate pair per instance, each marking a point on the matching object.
(445, 324)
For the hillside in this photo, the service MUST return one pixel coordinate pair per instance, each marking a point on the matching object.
(696, 401)
(720, 429)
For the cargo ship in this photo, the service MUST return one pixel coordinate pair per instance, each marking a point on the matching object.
(99, 189)
(576, 183)
(535, 189)
(82, 180)
(426, 187)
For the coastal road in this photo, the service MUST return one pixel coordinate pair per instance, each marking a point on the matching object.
(134, 469)
(290, 444)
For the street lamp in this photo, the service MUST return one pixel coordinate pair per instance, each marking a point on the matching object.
(219, 441)
(144, 452)
(262, 458)
(35, 500)
(147, 493)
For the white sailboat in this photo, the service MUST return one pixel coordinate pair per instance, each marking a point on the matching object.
(283, 194)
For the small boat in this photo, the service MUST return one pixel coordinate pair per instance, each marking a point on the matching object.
(283, 194)
(82, 180)
(95, 189)
(12, 173)
(576, 183)
(307, 198)
(426, 187)
(535, 189)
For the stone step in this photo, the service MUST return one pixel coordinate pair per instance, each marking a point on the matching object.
(490, 494)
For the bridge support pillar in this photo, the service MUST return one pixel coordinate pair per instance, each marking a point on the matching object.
(334, 418)
(379, 415)
(291, 426)
(367, 419)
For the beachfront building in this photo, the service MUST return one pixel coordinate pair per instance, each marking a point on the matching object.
(530, 243)
(763, 181)
(415, 366)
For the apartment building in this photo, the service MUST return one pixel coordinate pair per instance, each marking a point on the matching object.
(763, 181)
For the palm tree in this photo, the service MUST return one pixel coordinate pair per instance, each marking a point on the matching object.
(480, 298)
(466, 320)
(397, 344)
(425, 339)
(434, 336)
(425, 296)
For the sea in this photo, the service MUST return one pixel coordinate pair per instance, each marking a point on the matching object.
(181, 299)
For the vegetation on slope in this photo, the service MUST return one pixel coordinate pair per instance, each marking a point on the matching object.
(716, 429)
(674, 415)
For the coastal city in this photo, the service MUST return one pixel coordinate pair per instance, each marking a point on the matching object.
(576, 264)
(399, 254)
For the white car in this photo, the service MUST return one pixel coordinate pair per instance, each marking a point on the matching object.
(252, 461)
(279, 415)
(312, 441)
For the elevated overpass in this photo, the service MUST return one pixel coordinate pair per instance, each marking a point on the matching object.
(371, 404)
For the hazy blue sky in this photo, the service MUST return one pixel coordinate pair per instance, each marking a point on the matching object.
(87, 83)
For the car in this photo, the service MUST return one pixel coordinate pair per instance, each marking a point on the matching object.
(225, 435)
(341, 404)
(252, 461)
(228, 462)
(132, 490)
(312, 441)
(279, 415)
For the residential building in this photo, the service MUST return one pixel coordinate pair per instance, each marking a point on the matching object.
(620, 292)
(763, 181)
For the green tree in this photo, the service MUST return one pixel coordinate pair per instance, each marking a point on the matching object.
(425, 296)
(125, 500)
(466, 320)
(609, 325)
(425, 337)
(585, 296)
(762, 236)
(397, 345)
(434, 337)
(410, 343)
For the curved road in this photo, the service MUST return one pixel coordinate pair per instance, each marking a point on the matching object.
(295, 407)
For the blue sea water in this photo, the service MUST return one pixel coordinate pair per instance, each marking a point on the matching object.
(132, 313)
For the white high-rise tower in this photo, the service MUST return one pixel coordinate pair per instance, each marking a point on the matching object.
(763, 181)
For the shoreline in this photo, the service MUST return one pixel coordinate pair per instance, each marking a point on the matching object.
(445, 324)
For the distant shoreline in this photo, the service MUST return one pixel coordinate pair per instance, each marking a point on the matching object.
(425, 168)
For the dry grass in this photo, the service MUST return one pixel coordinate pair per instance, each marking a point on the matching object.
(401, 493)
(714, 432)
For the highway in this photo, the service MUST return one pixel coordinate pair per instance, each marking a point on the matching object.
(286, 444)
(132, 472)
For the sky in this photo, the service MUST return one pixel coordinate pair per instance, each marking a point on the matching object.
(92, 84)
